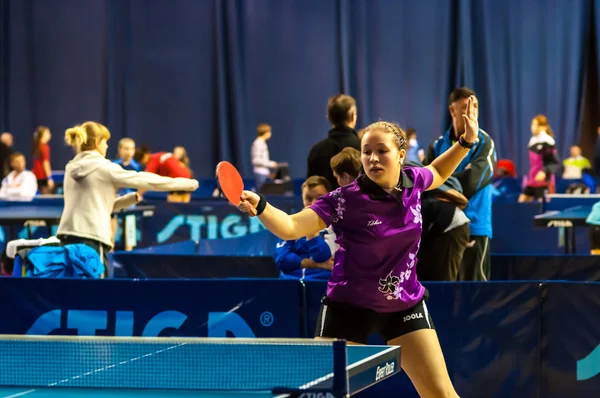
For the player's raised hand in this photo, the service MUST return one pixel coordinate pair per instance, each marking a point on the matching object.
(471, 122)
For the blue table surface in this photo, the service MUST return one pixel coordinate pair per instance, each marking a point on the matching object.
(569, 213)
(45, 212)
(19, 212)
(354, 355)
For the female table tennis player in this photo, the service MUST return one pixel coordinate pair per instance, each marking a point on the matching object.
(91, 184)
(373, 285)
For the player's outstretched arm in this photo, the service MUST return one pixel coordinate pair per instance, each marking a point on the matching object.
(281, 224)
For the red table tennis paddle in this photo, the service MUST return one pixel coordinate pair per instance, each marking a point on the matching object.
(231, 184)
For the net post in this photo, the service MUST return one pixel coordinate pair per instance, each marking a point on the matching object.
(340, 375)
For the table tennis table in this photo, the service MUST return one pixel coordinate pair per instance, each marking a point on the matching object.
(569, 219)
(94, 366)
(39, 215)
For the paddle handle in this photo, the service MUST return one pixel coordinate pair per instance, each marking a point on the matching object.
(252, 212)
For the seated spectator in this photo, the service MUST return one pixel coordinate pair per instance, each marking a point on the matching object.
(346, 166)
(311, 257)
(505, 168)
(19, 184)
(575, 164)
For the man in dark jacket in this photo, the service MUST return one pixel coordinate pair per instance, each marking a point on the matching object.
(341, 113)
(445, 233)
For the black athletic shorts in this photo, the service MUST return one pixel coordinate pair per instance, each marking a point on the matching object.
(535, 192)
(344, 321)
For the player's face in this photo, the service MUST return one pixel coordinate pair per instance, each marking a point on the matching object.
(102, 147)
(381, 158)
(310, 195)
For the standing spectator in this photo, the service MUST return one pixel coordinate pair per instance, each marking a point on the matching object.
(6, 143)
(543, 161)
(41, 160)
(125, 153)
(445, 235)
(261, 161)
(342, 114)
(475, 174)
(7, 139)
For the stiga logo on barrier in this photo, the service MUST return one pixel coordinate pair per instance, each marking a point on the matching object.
(231, 226)
(560, 224)
(89, 322)
(317, 395)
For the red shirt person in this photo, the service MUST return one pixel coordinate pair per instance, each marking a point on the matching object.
(41, 160)
(166, 165)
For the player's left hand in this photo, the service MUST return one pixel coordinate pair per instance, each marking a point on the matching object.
(471, 122)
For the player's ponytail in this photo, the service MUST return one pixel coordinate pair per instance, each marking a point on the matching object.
(85, 137)
(76, 137)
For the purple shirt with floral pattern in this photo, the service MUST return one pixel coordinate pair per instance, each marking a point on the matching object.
(379, 236)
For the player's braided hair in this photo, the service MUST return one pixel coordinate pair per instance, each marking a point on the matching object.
(393, 128)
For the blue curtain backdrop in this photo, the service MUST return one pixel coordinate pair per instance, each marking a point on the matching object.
(526, 58)
(204, 73)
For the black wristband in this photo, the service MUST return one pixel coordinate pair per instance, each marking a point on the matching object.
(260, 207)
(464, 143)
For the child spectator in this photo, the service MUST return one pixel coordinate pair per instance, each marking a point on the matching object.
(308, 258)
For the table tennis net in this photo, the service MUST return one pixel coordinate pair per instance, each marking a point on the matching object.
(163, 363)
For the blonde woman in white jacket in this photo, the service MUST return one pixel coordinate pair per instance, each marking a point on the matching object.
(90, 189)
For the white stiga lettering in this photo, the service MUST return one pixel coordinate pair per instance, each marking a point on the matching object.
(560, 224)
